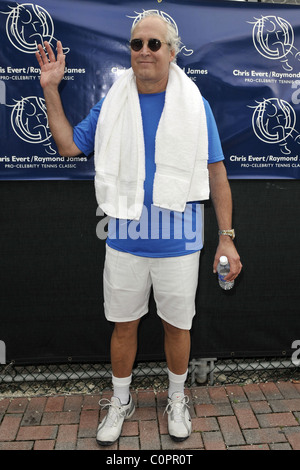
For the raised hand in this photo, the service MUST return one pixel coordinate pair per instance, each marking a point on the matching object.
(52, 72)
(52, 68)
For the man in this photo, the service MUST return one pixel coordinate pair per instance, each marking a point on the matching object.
(155, 146)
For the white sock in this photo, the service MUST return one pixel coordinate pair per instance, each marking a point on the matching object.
(121, 388)
(176, 383)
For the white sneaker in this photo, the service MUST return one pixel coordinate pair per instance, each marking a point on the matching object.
(110, 428)
(179, 419)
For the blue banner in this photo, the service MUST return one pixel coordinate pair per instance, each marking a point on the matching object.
(245, 58)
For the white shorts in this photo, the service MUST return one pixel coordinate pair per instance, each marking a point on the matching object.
(127, 282)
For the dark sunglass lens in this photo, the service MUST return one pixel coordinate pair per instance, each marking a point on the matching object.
(154, 45)
(136, 44)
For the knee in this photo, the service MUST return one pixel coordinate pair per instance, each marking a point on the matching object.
(126, 329)
(173, 331)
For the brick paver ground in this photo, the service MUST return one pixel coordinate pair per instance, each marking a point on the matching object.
(250, 417)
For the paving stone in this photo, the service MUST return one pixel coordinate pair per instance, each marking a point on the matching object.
(231, 431)
(277, 420)
(250, 417)
(213, 441)
(264, 436)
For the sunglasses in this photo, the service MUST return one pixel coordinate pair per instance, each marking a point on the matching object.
(153, 44)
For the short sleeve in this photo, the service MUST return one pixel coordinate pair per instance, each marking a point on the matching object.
(215, 151)
(84, 132)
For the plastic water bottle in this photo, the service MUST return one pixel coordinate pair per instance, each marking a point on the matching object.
(223, 269)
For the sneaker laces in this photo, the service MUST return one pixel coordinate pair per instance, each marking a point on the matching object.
(176, 406)
(115, 412)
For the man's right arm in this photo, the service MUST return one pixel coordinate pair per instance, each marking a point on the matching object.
(52, 72)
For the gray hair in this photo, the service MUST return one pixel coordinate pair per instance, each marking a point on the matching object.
(172, 37)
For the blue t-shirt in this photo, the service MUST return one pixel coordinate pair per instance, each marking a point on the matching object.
(159, 232)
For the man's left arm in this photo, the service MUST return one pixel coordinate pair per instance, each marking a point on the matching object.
(222, 201)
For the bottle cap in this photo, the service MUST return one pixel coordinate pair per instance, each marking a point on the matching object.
(223, 260)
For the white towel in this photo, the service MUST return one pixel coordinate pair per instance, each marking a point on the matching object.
(181, 152)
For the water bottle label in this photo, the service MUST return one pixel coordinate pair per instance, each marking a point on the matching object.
(222, 278)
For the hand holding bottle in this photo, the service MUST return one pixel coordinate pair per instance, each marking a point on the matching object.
(223, 269)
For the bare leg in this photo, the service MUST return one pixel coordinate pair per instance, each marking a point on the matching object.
(177, 348)
(124, 348)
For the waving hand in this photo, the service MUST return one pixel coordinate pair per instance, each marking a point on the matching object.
(52, 68)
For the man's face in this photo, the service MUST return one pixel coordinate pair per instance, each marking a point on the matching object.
(151, 68)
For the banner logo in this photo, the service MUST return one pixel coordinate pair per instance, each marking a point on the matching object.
(274, 122)
(28, 25)
(273, 38)
(30, 123)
